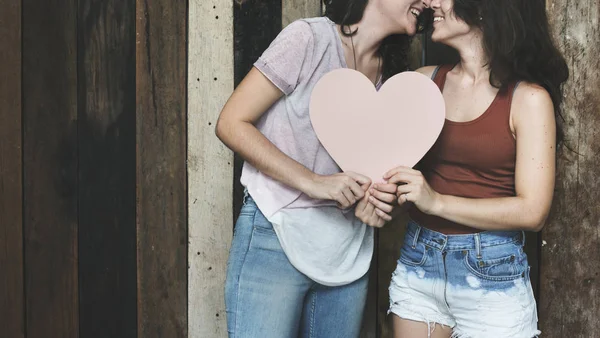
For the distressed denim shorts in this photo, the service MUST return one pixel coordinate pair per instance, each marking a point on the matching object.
(477, 284)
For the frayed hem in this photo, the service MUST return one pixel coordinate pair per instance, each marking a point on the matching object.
(459, 334)
(431, 324)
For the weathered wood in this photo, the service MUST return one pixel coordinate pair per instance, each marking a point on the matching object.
(50, 168)
(210, 164)
(162, 236)
(106, 138)
(256, 23)
(11, 181)
(296, 9)
(570, 270)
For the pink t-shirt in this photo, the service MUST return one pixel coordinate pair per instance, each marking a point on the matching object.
(327, 244)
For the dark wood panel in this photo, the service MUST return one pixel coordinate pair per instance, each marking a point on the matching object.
(50, 167)
(162, 237)
(11, 189)
(570, 254)
(106, 138)
(255, 24)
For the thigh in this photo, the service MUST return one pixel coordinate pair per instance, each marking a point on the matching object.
(404, 328)
(335, 311)
(492, 295)
(264, 292)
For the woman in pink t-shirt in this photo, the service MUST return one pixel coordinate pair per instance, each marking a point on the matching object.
(299, 260)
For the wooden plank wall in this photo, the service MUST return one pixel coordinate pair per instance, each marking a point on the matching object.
(12, 321)
(570, 264)
(106, 166)
(161, 129)
(50, 167)
(210, 164)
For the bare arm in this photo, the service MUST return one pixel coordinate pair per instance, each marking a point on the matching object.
(534, 125)
(235, 128)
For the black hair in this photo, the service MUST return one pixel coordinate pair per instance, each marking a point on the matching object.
(518, 42)
(393, 49)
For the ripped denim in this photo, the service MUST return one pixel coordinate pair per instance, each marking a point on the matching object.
(477, 284)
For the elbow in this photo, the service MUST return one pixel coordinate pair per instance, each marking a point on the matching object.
(536, 221)
(220, 130)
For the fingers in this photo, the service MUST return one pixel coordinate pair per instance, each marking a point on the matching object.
(390, 188)
(384, 216)
(380, 205)
(361, 179)
(384, 196)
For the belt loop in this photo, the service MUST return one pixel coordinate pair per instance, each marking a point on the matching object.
(417, 232)
(478, 246)
(523, 237)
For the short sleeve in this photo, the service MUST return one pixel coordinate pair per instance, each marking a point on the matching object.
(283, 60)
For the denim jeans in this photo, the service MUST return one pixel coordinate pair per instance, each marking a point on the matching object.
(477, 284)
(266, 297)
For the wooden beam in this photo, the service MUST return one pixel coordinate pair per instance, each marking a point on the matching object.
(11, 180)
(161, 100)
(570, 264)
(210, 164)
(106, 139)
(296, 9)
(50, 168)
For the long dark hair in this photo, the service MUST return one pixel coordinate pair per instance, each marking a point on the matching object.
(517, 40)
(393, 49)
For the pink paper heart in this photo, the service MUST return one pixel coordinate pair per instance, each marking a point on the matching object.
(371, 132)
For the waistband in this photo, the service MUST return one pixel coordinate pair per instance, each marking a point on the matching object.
(474, 241)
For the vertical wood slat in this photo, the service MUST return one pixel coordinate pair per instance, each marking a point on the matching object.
(570, 268)
(210, 164)
(297, 9)
(106, 138)
(256, 23)
(12, 319)
(161, 179)
(50, 168)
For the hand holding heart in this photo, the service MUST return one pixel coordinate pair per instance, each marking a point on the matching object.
(369, 132)
(413, 187)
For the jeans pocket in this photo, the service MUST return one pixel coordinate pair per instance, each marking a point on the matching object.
(501, 263)
(413, 256)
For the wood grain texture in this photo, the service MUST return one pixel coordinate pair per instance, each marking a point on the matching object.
(296, 9)
(106, 138)
(570, 262)
(256, 23)
(210, 164)
(161, 179)
(12, 320)
(50, 168)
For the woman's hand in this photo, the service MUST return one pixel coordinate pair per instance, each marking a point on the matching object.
(345, 188)
(368, 213)
(383, 197)
(412, 187)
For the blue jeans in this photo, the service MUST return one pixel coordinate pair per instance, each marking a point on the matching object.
(266, 296)
(477, 284)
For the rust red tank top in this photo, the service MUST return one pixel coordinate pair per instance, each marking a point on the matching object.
(474, 159)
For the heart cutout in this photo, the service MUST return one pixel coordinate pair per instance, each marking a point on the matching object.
(369, 131)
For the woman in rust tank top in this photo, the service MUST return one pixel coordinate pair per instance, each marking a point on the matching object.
(462, 271)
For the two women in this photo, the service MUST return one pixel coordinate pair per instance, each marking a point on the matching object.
(302, 248)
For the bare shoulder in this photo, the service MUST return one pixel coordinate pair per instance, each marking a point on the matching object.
(427, 70)
(532, 103)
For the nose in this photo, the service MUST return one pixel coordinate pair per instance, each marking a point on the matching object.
(427, 3)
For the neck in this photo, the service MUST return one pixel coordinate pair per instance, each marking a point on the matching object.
(371, 32)
(473, 60)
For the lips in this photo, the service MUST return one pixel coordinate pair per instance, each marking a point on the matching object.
(415, 11)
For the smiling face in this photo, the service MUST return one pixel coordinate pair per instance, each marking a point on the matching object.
(447, 27)
(402, 13)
